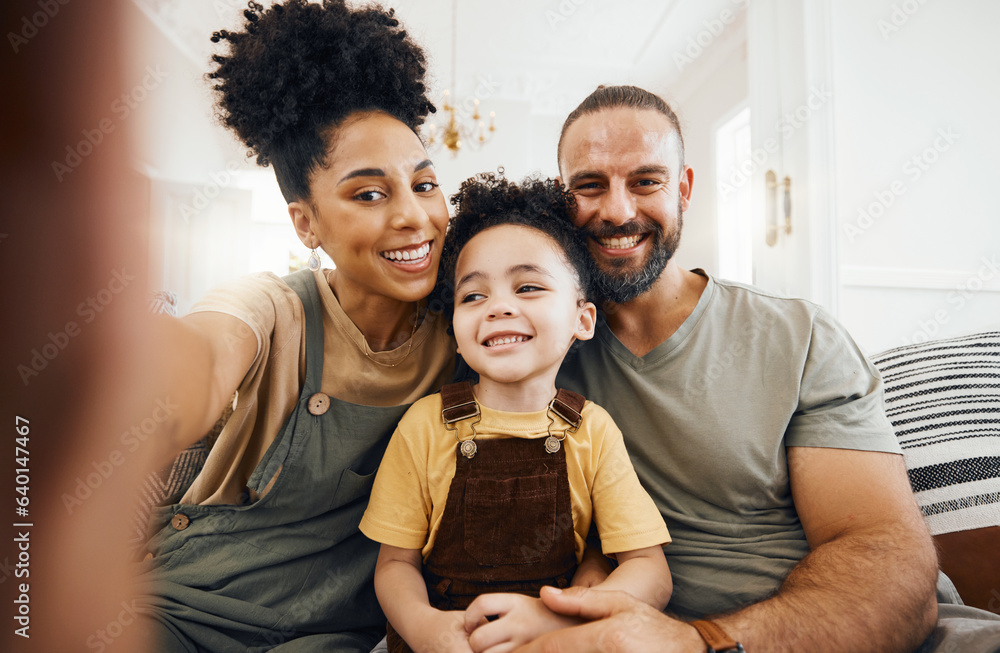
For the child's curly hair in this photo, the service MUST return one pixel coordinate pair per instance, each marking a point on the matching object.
(490, 200)
(299, 69)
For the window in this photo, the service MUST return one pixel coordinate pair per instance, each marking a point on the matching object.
(734, 170)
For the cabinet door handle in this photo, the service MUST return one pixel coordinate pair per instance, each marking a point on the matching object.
(788, 204)
(771, 208)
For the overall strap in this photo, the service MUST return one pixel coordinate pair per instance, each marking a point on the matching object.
(569, 406)
(304, 284)
(458, 402)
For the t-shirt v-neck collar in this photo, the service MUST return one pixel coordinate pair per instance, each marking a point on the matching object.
(662, 350)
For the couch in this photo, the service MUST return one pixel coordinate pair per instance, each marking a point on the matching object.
(943, 399)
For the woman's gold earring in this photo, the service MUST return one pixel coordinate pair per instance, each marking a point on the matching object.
(314, 263)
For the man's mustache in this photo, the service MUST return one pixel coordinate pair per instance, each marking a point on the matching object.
(630, 228)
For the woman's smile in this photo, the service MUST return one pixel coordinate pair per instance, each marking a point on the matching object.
(415, 258)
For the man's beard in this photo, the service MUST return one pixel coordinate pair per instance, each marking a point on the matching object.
(622, 285)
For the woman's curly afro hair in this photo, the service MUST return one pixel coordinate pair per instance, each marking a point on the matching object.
(490, 200)
(299, 69)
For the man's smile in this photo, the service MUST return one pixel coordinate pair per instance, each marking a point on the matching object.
(622, 242)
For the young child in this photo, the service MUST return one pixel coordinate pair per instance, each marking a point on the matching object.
(491, 491)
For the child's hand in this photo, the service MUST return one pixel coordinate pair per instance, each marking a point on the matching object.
(522, 619)
(443, 631)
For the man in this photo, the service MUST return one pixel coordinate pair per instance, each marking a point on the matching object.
(753, 420)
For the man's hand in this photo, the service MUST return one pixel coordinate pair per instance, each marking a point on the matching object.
(618, 623)
(522, 619)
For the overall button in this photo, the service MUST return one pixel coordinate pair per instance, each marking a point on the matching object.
(149, 556)
(180, 521)
(319, 403)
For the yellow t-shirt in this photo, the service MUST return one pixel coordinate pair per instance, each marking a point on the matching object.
(413, 481)
(274, 316)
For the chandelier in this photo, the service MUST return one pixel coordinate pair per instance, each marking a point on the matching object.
(456, 127)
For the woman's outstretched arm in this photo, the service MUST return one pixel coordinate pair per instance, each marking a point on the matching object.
(203, 357)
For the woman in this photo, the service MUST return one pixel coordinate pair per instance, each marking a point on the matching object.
(263, 549)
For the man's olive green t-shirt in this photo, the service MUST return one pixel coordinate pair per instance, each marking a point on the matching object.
(707, 416)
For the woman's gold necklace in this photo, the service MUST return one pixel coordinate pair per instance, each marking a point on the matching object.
(366, 350)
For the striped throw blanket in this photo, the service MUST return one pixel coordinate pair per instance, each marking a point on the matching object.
(943, 399)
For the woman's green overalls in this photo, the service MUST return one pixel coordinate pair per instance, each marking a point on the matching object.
(290, 572)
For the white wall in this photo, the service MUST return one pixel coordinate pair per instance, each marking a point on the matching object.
(176, 135)
(920, 84)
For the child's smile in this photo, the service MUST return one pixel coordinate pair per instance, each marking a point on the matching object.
(502, 339)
